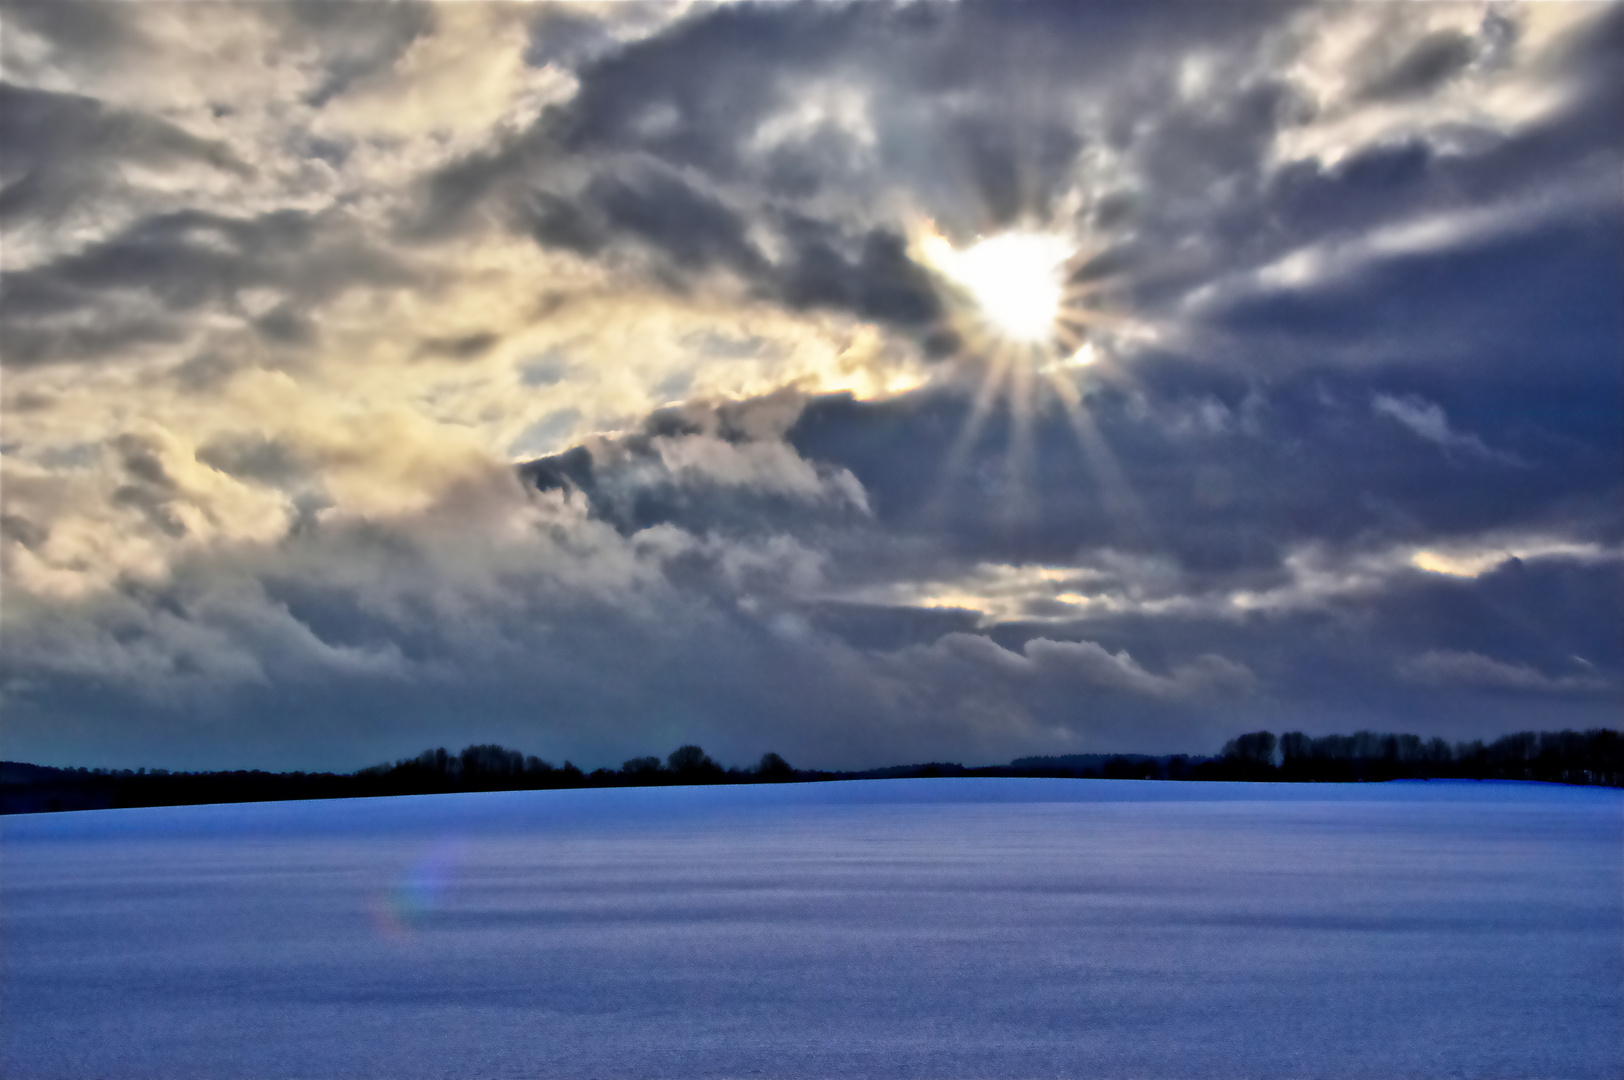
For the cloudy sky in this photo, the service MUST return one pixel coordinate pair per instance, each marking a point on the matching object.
(867, 382)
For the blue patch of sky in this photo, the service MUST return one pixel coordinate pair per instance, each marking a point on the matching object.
(548, 369)
(545, 435)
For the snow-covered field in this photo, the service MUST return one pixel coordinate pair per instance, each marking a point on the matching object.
(917, 928)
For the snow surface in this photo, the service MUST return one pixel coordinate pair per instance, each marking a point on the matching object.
(906, 928)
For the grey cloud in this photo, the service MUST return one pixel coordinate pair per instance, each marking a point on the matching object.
(141, 461)
(1092, 665)
(1474, 310)
(689, 94)
(560, 36)
(873, 276)
(31, 341)
(203, 373)
(27, 533)
(660, 209)
(694, 98)
(138, 282)
(1303, 467)
(1439, 667)
(981, 113)
(80, 27)
(154, 504)
(150, 489)
(1215, 546)
(354, 41)
(1430, 174)
(824, 266)
(254, 457)
(706, 468)
(61, 150)
(559, 222)
(597, 639)
(1394, 656)
(285, 324)
(1423, 67)
(462, 347)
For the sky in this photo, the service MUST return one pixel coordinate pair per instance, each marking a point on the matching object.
(869, 383)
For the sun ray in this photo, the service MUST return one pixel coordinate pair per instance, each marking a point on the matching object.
(998, 366)
(1122, 505)
(1078, 290)
(1083, 255)
(1020, 305)
(1070, 339)
(1020, 453)
(1086, 318)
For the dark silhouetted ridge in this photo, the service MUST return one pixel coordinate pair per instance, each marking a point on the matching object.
(1564, 757)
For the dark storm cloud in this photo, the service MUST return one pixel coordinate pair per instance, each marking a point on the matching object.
(142, 282)
(1291, 451)
(59, 150)
(1459, 656)
(691, 228)
(1313, 464)
(1478, 313)
(1516, 174)
(1275, 466)
(690, 95)
(865, 270)
(695, 93)
(720, 469)
(667, 132)
(982, 113)
(876, 280)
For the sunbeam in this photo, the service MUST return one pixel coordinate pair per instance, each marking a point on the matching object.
(998, 365)
(1121, 504)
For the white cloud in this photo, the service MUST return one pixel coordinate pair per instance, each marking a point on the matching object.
(1427, 420)
(1449, 668)
(1475, 556)
(1311, 576)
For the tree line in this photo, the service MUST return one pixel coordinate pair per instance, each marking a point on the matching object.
(1569, 757)
(1565, 757)
(489, 767)
(26, 788)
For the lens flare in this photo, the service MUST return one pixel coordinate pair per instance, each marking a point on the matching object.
(421, 892)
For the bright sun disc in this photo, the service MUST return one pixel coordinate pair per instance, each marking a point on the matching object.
(1017, 279)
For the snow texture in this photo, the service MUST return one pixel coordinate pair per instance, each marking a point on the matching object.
(910, 928)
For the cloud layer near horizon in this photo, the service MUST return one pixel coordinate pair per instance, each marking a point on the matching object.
(380, 376)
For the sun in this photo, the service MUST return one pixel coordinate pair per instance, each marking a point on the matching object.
(1017, 279)
(1018, 300)
(1023, 310)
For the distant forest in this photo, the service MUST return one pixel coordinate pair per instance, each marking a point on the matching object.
(1566, 757)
